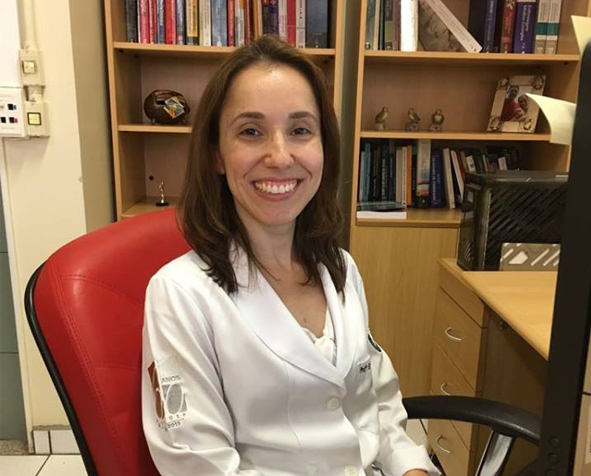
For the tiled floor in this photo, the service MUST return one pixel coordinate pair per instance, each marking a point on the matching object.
(38, 465)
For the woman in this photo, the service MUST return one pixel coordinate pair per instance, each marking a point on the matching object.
(257, 352)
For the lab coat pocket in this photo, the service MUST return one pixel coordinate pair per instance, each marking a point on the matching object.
(363, 397)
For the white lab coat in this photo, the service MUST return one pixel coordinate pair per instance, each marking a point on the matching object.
(231, 385)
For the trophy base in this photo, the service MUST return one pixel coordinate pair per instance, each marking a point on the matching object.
(162, 204)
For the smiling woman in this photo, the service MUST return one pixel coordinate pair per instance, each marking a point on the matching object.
(260, 333)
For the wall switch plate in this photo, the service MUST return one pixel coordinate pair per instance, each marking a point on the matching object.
(12, 112)
(37, 118)
(31, 68)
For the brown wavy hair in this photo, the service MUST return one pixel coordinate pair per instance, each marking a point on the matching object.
(207, 213)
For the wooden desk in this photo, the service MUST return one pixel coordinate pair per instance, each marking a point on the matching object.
(491, 340)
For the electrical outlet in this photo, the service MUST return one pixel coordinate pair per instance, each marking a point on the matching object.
(37, 118)
(31, 68)
(12, 112)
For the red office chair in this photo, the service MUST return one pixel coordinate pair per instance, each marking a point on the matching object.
(85, 309)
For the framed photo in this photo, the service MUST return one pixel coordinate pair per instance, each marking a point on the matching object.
(512, 110)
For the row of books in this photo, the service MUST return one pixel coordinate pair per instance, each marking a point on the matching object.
(505, 26)
(417, 175)
(302, 23)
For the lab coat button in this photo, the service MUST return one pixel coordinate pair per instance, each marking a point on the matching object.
(333, 404)
(351, 471)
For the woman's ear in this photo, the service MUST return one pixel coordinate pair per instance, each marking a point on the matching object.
(219, 163)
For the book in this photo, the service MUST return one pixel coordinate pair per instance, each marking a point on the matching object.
(144, 20)
(231, 23)
(282, 9)
(301, 23)
(408, 175)
(553, 27)
(507, 27)
(317, 24)
(382, 206)
(392, 215)
(152, 20)
(388, 16)
(205, 22)
(247, 21)
(440, 30)
(396, 26)
(219, 23)
(458, 175)
(525, 17)
(131, 18)
(448, 179)
(180, 21)
(409, 25)
(541, 32)
(170, 22)
(370, 19)
(160, 22)
(291, 22)
(239, 33)
(423, 172)
(436, 191)
(482, 21)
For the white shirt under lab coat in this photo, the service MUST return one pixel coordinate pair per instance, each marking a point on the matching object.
(231, 385)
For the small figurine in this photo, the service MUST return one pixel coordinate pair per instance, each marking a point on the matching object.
(380, 120)
(413, 121)
(437, 119)
(161, 202)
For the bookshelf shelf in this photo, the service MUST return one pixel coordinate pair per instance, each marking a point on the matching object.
(146, 205)
(451, 58)
(149, 128)
(212, 52)
(467, 136)
(420, 218)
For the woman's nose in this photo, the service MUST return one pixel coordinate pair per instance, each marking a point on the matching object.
(279, 154)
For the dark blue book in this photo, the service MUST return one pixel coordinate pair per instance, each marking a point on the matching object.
(481, 23)
(219, 23)
(316, 23)
(160, 24)
(436, 191)
(525, 25)
(180, 22)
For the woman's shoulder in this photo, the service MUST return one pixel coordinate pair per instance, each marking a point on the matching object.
(353, 275)
(188, 271)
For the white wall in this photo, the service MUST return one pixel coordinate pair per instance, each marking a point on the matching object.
(58, 188)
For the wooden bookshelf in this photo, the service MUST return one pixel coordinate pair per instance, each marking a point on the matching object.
(146, 154)
(398, 258)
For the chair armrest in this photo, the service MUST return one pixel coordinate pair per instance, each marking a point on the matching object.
(502, 418)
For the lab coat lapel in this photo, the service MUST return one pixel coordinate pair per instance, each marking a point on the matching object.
(270, 319)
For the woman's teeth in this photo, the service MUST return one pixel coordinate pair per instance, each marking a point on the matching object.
(267, 187)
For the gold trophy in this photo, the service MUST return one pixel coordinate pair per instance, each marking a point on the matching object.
(161, 202)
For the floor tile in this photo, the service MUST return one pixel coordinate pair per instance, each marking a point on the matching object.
(21, 465)
(63, 465)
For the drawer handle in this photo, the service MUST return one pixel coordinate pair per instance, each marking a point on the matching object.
(452, 337)
(442, 388)
(445, 450)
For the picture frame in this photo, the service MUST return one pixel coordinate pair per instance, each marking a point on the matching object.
(512, 110)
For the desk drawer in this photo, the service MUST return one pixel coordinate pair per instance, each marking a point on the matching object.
(460, 337)
(446, 379)
(462, 295)
(451, 451)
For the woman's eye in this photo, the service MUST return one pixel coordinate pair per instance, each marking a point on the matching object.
(301, 131)
(250, 132)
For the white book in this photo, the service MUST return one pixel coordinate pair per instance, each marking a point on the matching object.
(205, 22)
(553, 26)
(541, 30)
(395, 215)
(282, 8)
(409, 25)
(458, 172)
(502, 163)
(447, 174)
(301, 23)
(239, 33)
(454, 25)
(423, 169)
(375, 45)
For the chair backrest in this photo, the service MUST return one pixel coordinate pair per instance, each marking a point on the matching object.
(85, 307)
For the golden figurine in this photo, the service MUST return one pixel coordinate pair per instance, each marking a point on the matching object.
(161, 202)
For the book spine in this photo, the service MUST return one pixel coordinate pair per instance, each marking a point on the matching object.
(553, 27)
(367, 175)
(370, 20)
(408, 175)
(267, 17)
(448, 179)
(144, 20)
(300, 23)
(160, 22)
(542, 27)
(231, 23)
(376, 26)
(454, 25)
(131, 18)
(170, 21)
(274, 16)
(361, 192)
(409, 25)
(388, 24)
(152, 18)
(248, 30)
(239, 22)
(282, 7)
(317, 24)
(205, 22)
(391, 174)
(291, 22)
(219, 23)
(508, 27)
(490, 19)
(423, 172)
(524, 26)
(396, 26)
(180, 22)
(436, 193)
(384, 173)
(381, 45)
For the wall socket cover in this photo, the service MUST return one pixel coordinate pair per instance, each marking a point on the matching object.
(12, 112)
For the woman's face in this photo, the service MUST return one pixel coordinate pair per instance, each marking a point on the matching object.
(270, 145)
